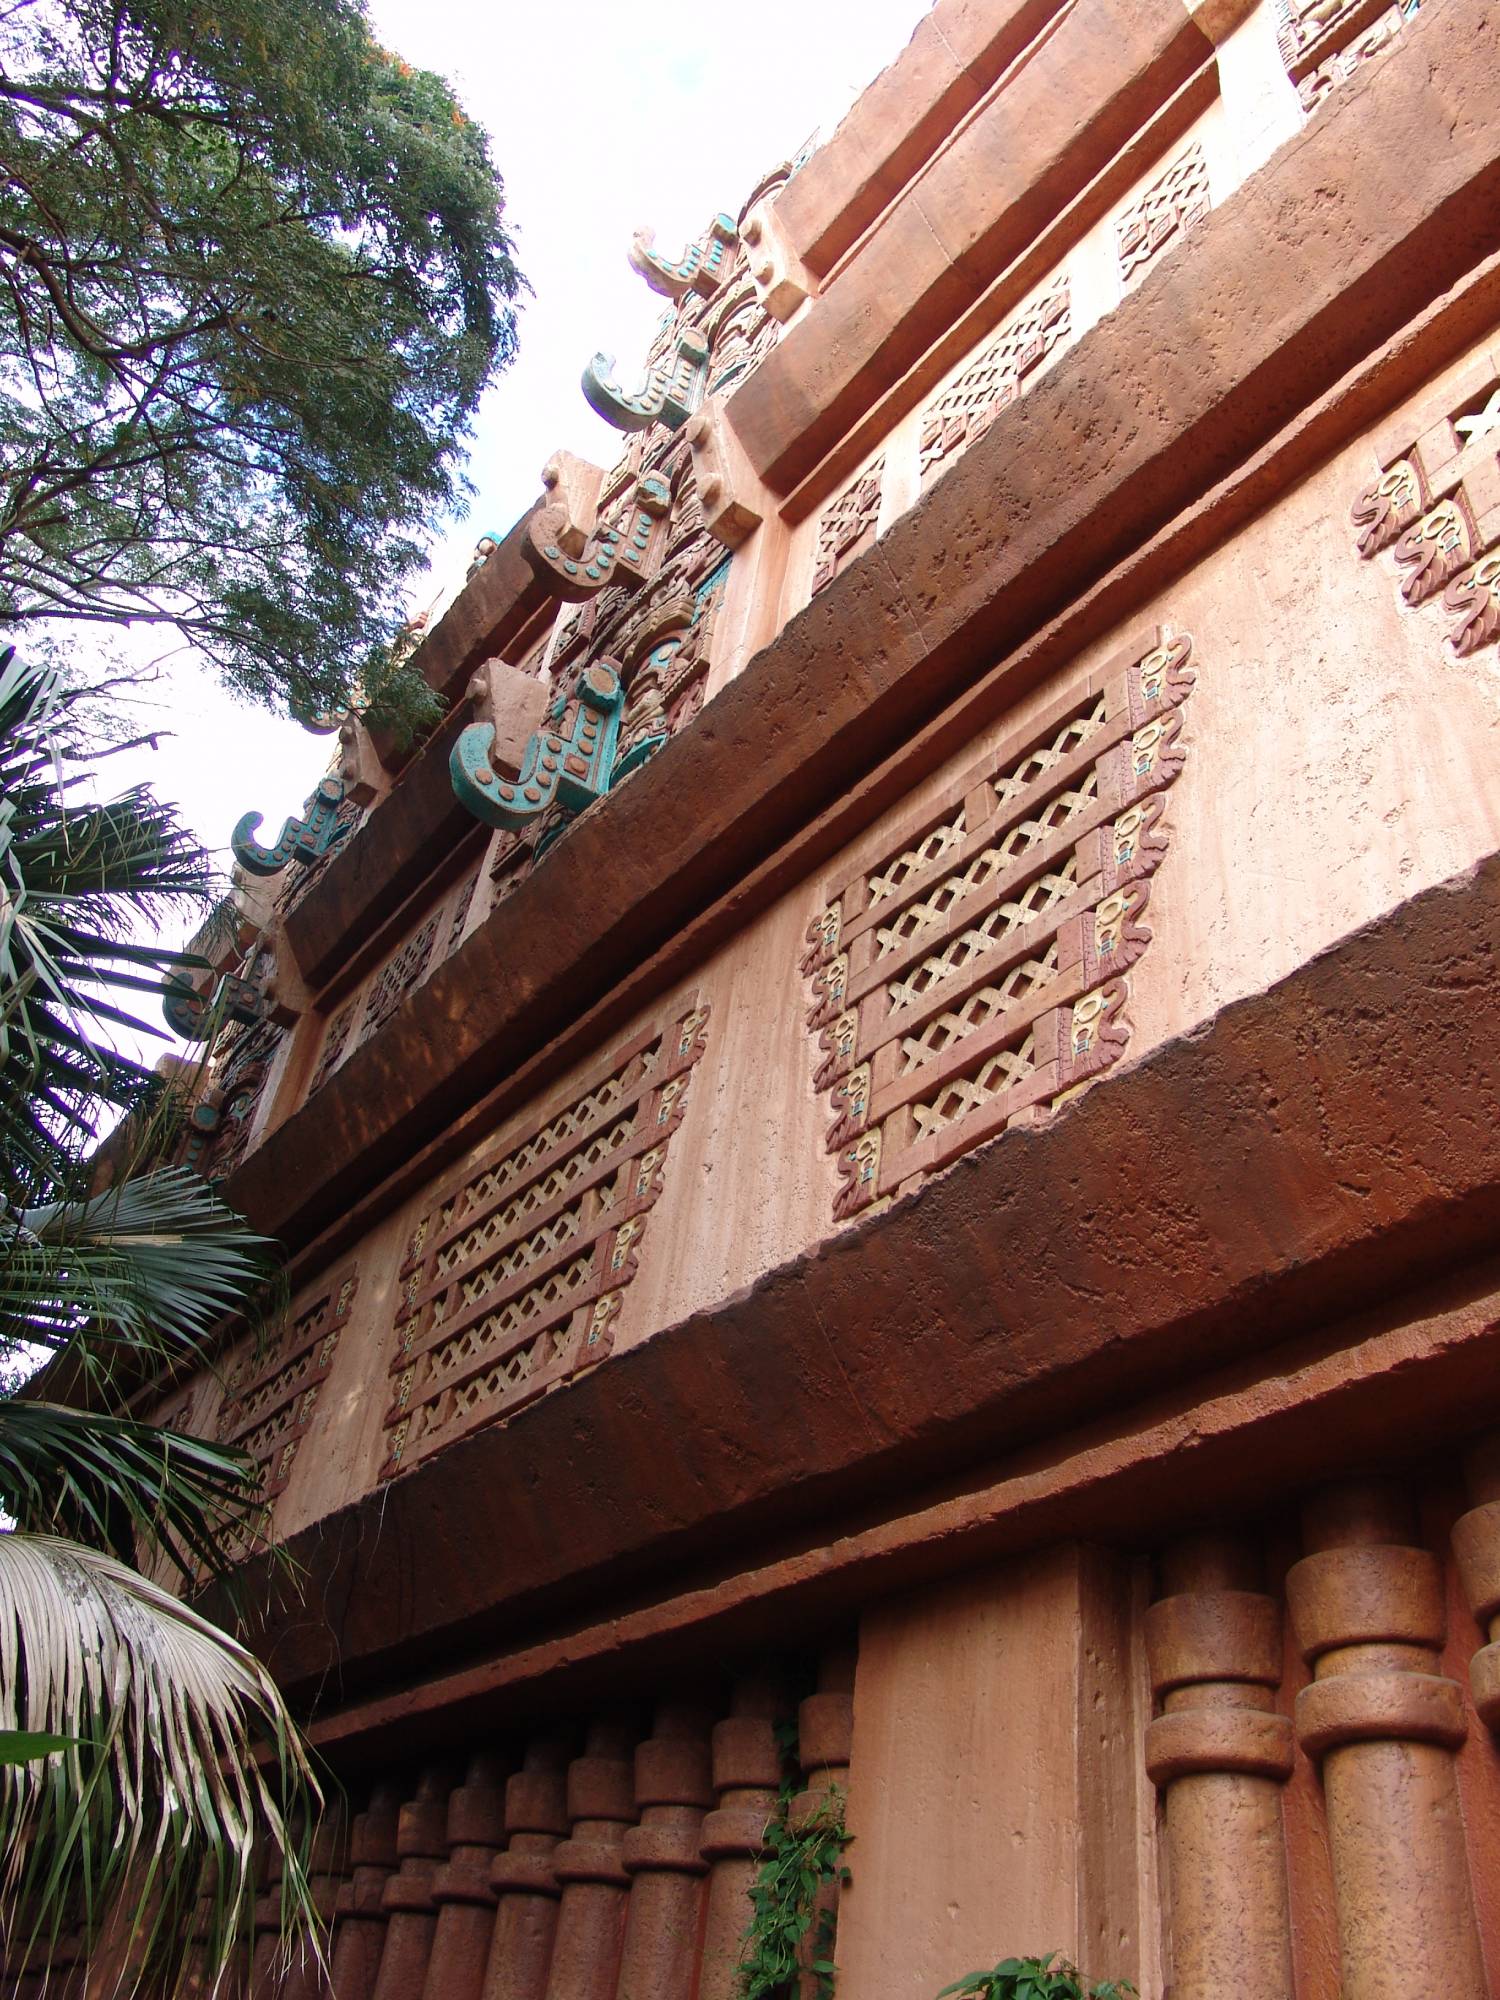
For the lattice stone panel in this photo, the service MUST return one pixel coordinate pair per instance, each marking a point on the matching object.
(967, 973)
(1324, 41)
(1436, 505)
(1169, 207)
(270, 1390)
(848, 526)
(513, 1278)
(970, 403)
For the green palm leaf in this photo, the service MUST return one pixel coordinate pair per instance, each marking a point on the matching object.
(146, 1825)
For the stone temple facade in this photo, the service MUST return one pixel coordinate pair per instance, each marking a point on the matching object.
(890, 1140)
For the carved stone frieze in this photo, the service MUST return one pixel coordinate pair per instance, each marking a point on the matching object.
(968, 973)
(514, 1276)
(847, 526)
(1169, 207)
(970, 403)
(1436, 507)
(271, 1387)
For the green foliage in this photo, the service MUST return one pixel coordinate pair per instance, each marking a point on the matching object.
(253, 280)
(789, 1898)
(1049, 1978)
(149, 1804)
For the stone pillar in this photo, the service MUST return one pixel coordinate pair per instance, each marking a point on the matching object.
(591, 1914)
(662, 1855)
(408, 1902)
(524, 1880)
(747, 1776)
(264, 1978)
(1220, 1754)
(1476, 1545)
(1367, 1608)
(359, 1935)
(462, 1887)
(825, 1737)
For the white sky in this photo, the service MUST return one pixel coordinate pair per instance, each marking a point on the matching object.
(601, 118)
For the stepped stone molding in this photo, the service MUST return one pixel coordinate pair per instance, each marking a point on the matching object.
(270, 1392)
(1476, 1547)
(589, 1866)
(1436, 505)
(746, 1778)
(968, 973)
(408, 1901)
(662, 1855)
(513, 1278)
(359, 1938)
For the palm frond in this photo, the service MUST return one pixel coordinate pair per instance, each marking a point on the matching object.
(151, 1266)
(146, 1826)
(128, 1488)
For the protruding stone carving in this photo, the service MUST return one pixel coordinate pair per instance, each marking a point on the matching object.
(733, 498)
(512, 705)
(1220, 1753)
(702, 267)
(302, 840)
(782, 281)
(1384, 1724)
(571, 511)
(571, 763)
(1173, 203)
(193, 1005)
(624, 548)
(673, 390)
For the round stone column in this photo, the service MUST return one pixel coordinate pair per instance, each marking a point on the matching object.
(825, 1739)
(308, 1977)
(359, 1935)
(1220, 1754)
(1476, 1545)
(524, 1880)
(591, 1913)
(1367, 1608)
(673, 1791)
(462, 1888)
(746, 1776)
(408, 1902)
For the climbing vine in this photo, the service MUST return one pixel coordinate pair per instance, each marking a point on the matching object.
(790, 1898)
(1049, 1978)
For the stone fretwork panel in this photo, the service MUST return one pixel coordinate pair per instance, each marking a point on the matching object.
(513, 1278)
(1436, 507)
(969, 974)
(271, 1386)
(970, 403)
(1323, 42)
(1173, 203)
(848, 526)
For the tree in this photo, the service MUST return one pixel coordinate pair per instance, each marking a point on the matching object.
(131, 1801)
(253, 280)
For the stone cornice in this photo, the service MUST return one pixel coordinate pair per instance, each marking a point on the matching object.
(1322, 257)
(1239, 1186)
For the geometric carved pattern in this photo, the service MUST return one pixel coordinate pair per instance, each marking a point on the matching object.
(1172, 203)
(970, 403)
(1436, 505)
(848, 526)
(270, 1389)
(1325, 41)
(968, 974)
(512, 1279)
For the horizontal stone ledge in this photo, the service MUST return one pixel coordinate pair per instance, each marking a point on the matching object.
(1283, 1193)
(1239, 341)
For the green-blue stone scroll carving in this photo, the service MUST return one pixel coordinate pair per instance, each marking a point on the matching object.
(702, 267)
(674, 387)
(193, 1015)
(570, 763)
(303, 840)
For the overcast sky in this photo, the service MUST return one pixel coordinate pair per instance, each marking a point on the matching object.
(602, 118)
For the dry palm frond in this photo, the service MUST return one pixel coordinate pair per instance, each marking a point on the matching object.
(149, 1821)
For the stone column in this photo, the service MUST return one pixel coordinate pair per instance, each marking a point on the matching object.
(462, 1888)
(267, 1947)
(1220, 1754)
(747, 1776)
(308, 1978)
(1367, 1608)
(359, 1935)
(524, 1880)
(591, 1914)
(825, 1737)
(1476, 1545)
(673, 1791)
(408, 1902)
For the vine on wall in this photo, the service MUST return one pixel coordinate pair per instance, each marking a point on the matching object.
(794, 1895)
